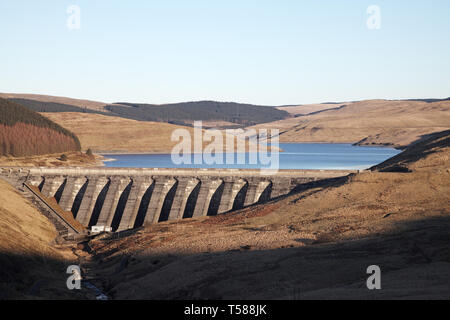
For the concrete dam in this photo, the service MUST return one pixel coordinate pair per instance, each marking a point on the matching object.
(125, 198)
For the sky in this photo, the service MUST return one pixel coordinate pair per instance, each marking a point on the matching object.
(251, 51)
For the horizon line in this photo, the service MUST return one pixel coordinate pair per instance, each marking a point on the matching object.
(212, 100)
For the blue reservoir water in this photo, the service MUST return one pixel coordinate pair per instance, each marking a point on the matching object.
(294, 156)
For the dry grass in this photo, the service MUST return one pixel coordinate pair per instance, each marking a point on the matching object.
(93, 105)
(74, 159)
(114, 134)
(314, 244)
(396, 123)
(31, 264)
(309, 108)
(27, 232)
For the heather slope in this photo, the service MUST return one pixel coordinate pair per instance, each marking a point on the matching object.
(316, 243)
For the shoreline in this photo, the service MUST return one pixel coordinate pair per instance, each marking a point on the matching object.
(356, 144)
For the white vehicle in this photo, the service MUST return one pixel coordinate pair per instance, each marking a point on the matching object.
(98, 229)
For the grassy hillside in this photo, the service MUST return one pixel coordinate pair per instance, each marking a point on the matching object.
(115, 134)
(31, 264)
(381, 122)
(224, 114)
(314, 244)
(81, 103)
(384, 122)
(309, 108)
(24, 132)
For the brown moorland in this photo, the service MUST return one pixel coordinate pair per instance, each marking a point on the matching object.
(315, 243)
(381, 122)
(72, 159)
(115, 134)
(32, 265)
(89, 104)
(370, 122)
(310, 108)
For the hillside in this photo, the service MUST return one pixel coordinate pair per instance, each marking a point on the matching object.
(220, 114)
(31, 264)
(309, 108)
(24, 132)
(186, 113)
(372, 122)
(44, 106)
(314, 244)
(84, 104)
(115, 134)
(382, 122)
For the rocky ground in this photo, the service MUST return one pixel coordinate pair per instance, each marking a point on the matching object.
(74, 159)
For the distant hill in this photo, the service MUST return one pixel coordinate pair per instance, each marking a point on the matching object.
(45, 106)
(308, 109)
(221, 114)
(114, 134)
(82, 103)
(109, 134)
(24, 132)
(371, 122)
(187, 112)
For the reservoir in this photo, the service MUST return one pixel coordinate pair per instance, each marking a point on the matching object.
(294, 156)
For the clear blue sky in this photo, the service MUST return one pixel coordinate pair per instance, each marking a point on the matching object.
(256, 51)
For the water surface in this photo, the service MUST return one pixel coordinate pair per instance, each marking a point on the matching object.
(295, 156)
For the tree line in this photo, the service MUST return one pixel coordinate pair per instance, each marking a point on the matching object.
(24, 132)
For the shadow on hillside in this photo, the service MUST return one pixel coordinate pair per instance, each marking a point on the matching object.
(414, 260)
(417, 150)
(429, 100)
(35, 277)
(323, 183)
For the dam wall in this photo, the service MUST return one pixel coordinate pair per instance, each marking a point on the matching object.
(126, 198)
